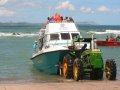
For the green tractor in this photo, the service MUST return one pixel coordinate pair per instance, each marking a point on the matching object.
(76, 63)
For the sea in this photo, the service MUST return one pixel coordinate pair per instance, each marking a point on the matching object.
(16, 50)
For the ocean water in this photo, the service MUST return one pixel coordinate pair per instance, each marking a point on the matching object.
(16, 49)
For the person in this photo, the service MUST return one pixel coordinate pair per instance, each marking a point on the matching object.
(57, 17)
(35, 46)
(67, 19)
(61, 18)
(41, 43)
(118, 38)
(41, 33)
(15, 33)
(52, 19)
(112, 38)
(107, 38)
(48, 21)
(71, 19)
(82, 50)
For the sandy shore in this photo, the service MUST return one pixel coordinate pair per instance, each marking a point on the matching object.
(66, 85)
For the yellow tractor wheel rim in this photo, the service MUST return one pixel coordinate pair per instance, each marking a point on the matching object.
(108, 71)
(75, 70)
(65, 68)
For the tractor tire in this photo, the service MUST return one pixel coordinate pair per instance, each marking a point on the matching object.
(67, 67)
(110, 69)
(78, 70)
(96, 74)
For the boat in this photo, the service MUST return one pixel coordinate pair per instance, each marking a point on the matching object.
(54, 40)
(114, 41)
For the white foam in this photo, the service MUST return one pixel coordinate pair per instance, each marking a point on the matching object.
(106, 32)
(17, 34)
(113, 31)
(93, 32)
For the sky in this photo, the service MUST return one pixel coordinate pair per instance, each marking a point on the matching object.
(103, 12)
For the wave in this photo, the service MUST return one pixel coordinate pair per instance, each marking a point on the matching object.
(93, 32)
(113, 31)
(18, 34)
(106, 32)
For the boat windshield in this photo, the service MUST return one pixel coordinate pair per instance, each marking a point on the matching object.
(54, 36)
(75, 35)
(65, 36)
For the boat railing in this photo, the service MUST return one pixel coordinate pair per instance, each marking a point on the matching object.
(60, 19)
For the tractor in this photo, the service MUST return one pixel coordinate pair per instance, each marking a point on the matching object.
(77, 64)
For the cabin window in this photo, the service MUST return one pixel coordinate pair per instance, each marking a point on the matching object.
(75, 35)
(65, 36)
(54, 36)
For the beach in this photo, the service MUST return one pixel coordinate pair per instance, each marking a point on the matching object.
(65, 85)
(16, 66)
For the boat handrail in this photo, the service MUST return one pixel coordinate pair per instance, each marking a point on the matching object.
(63, 22)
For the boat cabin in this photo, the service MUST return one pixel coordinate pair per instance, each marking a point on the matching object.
(60, 34)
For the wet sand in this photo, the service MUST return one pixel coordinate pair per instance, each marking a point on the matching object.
(65, 85)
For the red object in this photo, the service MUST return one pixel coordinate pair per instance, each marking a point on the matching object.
(108, 43)
(57, 17)
(112, 40)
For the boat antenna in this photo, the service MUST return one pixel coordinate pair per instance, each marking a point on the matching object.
(49, 11)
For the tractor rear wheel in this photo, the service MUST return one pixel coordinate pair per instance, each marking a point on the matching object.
(67, 67)
(110, 68)
(78, 70)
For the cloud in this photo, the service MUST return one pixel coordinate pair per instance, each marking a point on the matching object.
(106, 9)
(116, 11)
(2, 2)
(27, 4)
(65, 5)
(6, 13)
(86, 10)
(13, 0)
(103, 9)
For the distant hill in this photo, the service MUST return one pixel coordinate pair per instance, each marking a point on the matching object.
(27, 24)
(86, 23)
(17, 24)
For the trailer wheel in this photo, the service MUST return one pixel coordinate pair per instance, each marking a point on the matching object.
(67, 67)
(110, 68)
(78, 70)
